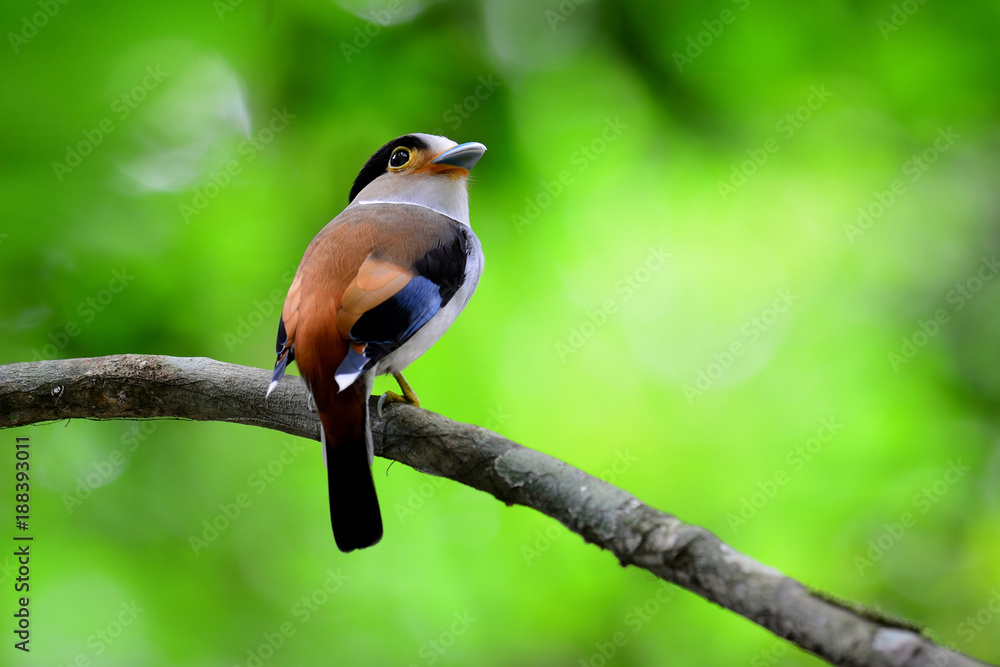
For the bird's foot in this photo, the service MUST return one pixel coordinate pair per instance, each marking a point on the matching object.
(409, 397)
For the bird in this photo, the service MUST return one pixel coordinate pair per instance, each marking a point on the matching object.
(375, 289)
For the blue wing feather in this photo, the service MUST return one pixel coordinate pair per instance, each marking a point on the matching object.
(397, 318)
(390, 324)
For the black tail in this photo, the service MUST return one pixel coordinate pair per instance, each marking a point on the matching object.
(354, 511)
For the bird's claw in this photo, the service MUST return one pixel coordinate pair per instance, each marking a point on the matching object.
(393, 397)
(409, 397)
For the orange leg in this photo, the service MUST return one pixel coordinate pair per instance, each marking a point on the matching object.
(409, 396)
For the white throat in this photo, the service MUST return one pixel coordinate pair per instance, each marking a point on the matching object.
(444, 195)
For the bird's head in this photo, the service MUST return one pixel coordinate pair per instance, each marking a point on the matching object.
(424, 169)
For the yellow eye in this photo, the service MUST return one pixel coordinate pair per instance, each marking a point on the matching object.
(400, 157)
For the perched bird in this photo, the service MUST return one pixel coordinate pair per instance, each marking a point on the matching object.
(376, 288)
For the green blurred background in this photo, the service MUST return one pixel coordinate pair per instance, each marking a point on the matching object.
(740, 261)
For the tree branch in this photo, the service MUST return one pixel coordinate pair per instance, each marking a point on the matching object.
(143, 387)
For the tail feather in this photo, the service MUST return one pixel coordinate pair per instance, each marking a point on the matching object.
(354, 509)
(285, 350)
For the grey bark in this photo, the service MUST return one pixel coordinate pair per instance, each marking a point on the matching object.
(145, 387)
